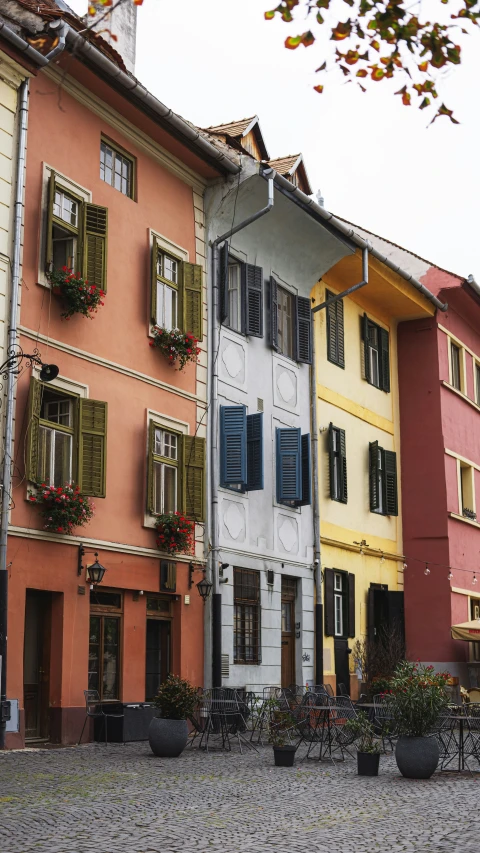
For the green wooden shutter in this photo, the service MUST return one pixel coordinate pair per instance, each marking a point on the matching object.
(92, 447)
(35, 395)
(384, 356)
(153, 283)
(254, 300)
(168, 576)
(373, 475)
(192, 300)
(49, 224)
(194, 477)
(150, 479)
(343, 467)
(366, 359)
(329, 604)
(95, 228)
(391, 487)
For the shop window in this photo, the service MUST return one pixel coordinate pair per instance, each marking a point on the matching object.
(246, 624)
(104, 644)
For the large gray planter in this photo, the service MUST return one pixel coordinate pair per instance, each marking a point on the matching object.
(167, 738)
(417, 757)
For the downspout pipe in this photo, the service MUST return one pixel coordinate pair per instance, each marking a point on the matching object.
(214, 439)
(351, 236)
(10, 403)
(317, 554)
(11, 377)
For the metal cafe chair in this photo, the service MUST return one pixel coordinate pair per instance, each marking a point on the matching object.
(384, 720)
(342, 710)
(94, 710)
(225, 717)
(471, 745)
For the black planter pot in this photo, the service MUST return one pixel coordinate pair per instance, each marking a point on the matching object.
(167, 738)
(284, 756)
(367, 763)
(417, 757)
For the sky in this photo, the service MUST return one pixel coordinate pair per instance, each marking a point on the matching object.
(376, 162)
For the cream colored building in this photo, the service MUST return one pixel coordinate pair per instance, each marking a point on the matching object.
(359, 455)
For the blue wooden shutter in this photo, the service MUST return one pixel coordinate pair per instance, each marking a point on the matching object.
(223, 283)
(304, 330)
(233, 445)
(273, 314)
(255, 452)
(306, 472)
(254, 300)
(289, 467)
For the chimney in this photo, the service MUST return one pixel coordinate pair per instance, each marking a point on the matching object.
(320, 199)
(122, 23)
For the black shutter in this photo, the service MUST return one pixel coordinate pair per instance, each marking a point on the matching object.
(370, 617)
(396, 613)
(351, 605)
(273, 314)
(390, 465)
(343, 467)
(329, 604)
(366, 360)
(304, 330)
(223, 283)
(373, 475)
(254, 300)
(306, 472)
(254, 452)
(384, 359)
(335, 332)
(330, 460)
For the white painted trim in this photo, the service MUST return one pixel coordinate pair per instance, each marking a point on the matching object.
(110, 365)
(128, 130)
(465, 520)
(458, 342)
(100, 544)
(168, 423)
(64, 384)
(460, 591)
(462, 459)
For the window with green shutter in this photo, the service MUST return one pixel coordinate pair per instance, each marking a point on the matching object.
(175, 473)
(335, 330)
(376, 352)
(383, 480)
(76, 234)
(65, 439)
(176, 295)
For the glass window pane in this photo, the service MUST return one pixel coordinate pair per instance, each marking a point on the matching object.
(44, 451)
(94, 654)
(62, 458)
(110, 658)
(157, 487)
(170, 489)
(234, 298)
(158, 444)
(170, 445)
(64, 248)
(161, 288)
(169, 308)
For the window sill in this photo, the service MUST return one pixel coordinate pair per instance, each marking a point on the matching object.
(460, 394)
(462, 518)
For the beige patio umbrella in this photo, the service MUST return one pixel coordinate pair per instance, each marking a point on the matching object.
(469, 631)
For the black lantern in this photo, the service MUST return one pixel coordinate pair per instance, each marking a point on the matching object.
(48, 373)
(204, 588)
(95, 572)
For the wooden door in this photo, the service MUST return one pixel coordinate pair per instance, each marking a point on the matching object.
(36, 664)
(288, 631)
(157, 657)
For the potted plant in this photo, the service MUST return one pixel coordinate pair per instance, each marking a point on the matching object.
(281, 725)
(62, 507)
(174, 533)
(78, 296)
(176, 346)
(418, 698)
(168, 732)
(368, 748)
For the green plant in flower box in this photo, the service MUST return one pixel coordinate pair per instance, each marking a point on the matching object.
(176, 346)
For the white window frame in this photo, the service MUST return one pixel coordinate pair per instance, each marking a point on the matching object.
(160, 508)
(69, 186)
(170, 425)
(170, 248)
(338, 603)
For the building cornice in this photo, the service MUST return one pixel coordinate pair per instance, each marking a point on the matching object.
(355, 409)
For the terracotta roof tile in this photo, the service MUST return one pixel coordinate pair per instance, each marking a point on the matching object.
(233, 128)
(284, 165)
(47, 8)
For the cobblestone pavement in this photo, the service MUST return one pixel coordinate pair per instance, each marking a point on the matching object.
(120, 799)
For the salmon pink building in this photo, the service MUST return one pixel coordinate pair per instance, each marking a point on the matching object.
(114, 189)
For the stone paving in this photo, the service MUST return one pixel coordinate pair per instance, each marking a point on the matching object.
(121, 799)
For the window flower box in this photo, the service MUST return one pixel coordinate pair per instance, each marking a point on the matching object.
(77, 295)
(63, 507)
(469, 513)
(174, 533)
(176, 346)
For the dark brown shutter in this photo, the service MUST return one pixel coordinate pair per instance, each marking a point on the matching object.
(391, 488)
(273, 314)
(168, 576)
(303, 315)
(331, 466)
(343, 467)
(351, 605)
(373, 475)
(329, 604)
(366, 359)
(335, 331)
(254, 300)
(384, 359)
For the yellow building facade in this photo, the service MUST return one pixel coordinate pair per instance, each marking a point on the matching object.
(359, 453)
